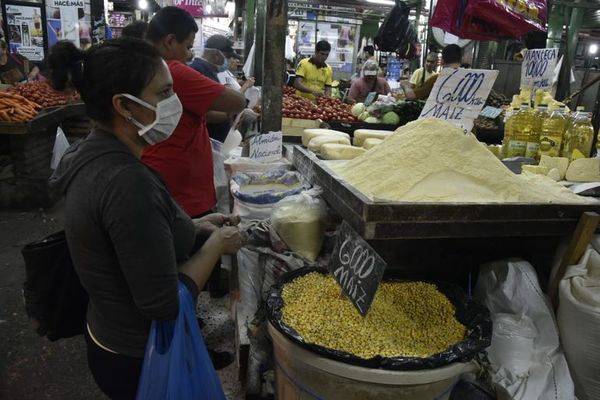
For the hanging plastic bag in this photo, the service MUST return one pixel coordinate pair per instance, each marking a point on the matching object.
(176, 363)
(248, 67)
(397, 33)
(290, 54)
(300, 221)
(61, 144)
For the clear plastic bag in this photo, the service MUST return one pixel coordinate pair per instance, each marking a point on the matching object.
(61, 144)
(300, 221)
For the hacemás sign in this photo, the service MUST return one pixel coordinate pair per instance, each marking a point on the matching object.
(459, 95)
(537, 69)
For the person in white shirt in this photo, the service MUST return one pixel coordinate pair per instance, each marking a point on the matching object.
(230, 80)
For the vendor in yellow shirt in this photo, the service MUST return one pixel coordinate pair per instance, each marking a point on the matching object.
(417, 79)
(313, 75)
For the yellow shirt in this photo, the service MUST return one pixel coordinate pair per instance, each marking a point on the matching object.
(417, 77)
(313, 77)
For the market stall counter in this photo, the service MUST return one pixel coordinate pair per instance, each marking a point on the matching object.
(25, 156)
(444, 238)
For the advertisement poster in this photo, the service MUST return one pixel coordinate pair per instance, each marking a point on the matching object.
(342, 38)
(69, 20)
(306, 38)
(25, 34)
(194, 7)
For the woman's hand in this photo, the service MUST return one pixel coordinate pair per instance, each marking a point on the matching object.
(228, 238)
(212, 222)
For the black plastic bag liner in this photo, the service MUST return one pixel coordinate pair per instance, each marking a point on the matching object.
(474, 316)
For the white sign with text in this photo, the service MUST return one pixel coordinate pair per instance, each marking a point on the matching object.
(537, 69)
(459, 95)
(266, 147)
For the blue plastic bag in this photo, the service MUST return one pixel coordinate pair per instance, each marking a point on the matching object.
(176, 363)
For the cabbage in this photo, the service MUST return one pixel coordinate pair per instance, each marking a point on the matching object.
(372, 120)
(357, 109)
(391, 118)
(363, 116)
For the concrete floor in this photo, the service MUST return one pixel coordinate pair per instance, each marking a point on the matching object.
(31, 367)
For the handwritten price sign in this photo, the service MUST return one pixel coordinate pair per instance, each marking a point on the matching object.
(356, 267)
(459, 95)
(537, 69)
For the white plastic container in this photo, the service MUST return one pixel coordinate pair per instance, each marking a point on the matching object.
(301, 374)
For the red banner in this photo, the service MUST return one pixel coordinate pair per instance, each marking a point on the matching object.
(194, 7)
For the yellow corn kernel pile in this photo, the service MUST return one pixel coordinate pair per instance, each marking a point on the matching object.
(406, 319)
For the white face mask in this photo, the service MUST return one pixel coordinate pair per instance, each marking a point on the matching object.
(168, 112)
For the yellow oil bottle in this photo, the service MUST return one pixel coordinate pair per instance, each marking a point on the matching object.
(581, 136)
(521, 128)
(553, 132)
(533, 142)
(508, 122)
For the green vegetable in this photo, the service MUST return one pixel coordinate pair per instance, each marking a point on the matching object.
(391, 118)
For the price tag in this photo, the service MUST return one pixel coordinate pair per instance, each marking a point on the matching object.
(459, 95)
(370, 99)
(490, 112)
(266, 147)
(537, 69)
(356, 267)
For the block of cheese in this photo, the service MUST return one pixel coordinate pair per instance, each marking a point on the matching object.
(535, 169)
(560, 163)
(308, 134)
(316, 142)
(370, 143)
(336, 151)
(554, 174)
(584, 170)
(360, 135)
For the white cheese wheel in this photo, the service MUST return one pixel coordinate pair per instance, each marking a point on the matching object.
(312, 132)
(584, 170)
(360, 135)
(560, 163)
(335, 151)
(370, 143)
(316, 142)
(554, 174)
(535, 169)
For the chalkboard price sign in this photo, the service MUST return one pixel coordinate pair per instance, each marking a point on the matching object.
(356, 267)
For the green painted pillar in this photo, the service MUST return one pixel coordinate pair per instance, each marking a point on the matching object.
(249, 27)
(555, 26)
(259, 50)
(274, 65)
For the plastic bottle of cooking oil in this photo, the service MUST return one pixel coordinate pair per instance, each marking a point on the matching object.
(521, 128)
(581, 136)
(533, 142)
(553, 131)
(568, 142)
(508, 122)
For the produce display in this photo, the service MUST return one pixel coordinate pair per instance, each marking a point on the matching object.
(406, 319)
(445, 166)
(388, 110)
(326, 108)
(43, 94)
(15, 108)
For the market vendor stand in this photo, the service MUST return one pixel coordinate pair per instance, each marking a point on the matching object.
(29, 149)
(445, 240)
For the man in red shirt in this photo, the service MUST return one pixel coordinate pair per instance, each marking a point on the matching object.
(185, 160)
(369, 82)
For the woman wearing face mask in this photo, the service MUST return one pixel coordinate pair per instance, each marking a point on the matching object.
(128, 238)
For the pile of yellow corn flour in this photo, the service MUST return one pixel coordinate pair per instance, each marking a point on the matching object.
(430, 160)
(406, 319)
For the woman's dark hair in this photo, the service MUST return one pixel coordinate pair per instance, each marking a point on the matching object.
(171, 20)
(123, 65)
(323, 45)
(370, 50)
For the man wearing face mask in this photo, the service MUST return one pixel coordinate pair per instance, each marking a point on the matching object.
(214, 60)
